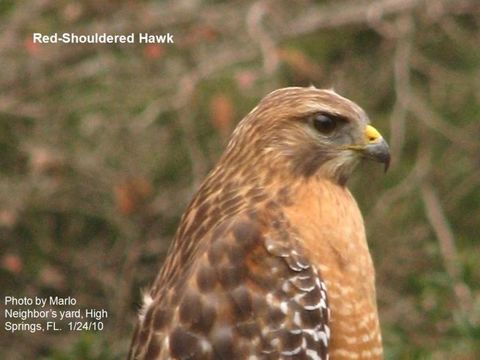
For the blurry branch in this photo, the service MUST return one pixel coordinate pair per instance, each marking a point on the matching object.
(435, 71)
(401, 67)
(122, 299)
(467, 184)
(185, 120)
(62, 63)
(428, 116)
(458, 35)
(267, 46)
(441, 227)
(365, 12)
(419, 170)
(204, 69)
(11, 105)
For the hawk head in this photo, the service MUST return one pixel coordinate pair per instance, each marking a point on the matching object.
(308, 132)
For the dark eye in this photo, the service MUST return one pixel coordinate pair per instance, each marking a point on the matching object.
(324, 123)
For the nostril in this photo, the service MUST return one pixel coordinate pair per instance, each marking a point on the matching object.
(372, 135)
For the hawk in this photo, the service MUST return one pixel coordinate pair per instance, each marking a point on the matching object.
(270, 260)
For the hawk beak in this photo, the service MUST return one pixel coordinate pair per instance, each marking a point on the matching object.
(377, 148)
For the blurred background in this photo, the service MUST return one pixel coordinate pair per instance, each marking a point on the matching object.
(102, 146)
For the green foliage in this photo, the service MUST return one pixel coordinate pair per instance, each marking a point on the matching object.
(86, 347)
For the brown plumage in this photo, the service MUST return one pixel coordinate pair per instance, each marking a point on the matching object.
(270, 260)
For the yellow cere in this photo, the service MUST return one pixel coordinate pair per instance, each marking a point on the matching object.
(372, 134)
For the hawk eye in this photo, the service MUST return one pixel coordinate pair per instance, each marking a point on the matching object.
(324, 123)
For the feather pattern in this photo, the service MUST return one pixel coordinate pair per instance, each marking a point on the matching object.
(270, 258)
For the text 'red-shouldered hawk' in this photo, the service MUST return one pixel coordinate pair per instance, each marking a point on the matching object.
(270, 260)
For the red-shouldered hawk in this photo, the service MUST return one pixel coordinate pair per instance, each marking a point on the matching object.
(270, 260)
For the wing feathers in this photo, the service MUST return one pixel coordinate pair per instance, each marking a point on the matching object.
(251, 292)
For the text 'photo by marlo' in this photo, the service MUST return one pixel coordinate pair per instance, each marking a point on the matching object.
(251, 179)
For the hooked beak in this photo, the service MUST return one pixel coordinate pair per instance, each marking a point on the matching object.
(377, 148)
